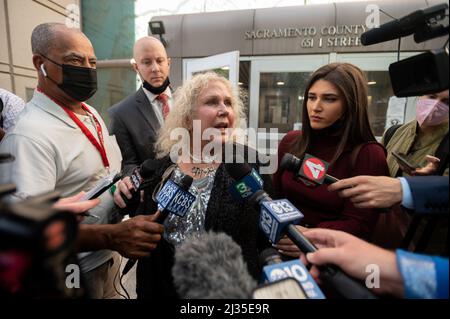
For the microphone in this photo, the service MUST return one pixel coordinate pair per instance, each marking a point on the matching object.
(278, 217)
(274, 269)
(310, 168)
(211, 266)
(174, 198)
(247, 183)
(405, 26)
(313, 170)
(140, 177)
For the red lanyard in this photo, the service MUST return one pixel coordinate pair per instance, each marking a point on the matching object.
(99, 146)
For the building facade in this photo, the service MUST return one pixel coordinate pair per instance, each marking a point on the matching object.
(17, 20)
(108, 24)
(280, 47)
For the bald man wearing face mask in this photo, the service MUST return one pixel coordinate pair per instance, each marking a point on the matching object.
(136, 120)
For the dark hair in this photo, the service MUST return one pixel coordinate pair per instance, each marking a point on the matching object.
(352, 84)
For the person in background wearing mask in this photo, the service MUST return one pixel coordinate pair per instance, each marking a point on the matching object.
(62, 144)
(420, 138)
(423, 142)
(136, 120)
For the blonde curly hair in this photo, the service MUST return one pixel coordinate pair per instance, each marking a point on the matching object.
(185, 99)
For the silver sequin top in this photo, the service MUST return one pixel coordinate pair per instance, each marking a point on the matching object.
(178, 228)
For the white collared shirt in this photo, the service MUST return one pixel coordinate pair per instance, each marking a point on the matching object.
(157, 105)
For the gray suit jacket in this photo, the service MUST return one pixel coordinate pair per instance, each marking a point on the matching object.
(135, 125)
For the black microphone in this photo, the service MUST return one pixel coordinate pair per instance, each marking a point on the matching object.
(404, 26)
(140, 177)
(278, 217)
(173, 198)
(211, 266)
(313, 170)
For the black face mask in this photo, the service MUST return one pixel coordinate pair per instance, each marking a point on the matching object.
(156, 89)
(79, 83)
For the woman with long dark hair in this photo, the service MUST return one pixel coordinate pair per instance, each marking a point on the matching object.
(336, 129)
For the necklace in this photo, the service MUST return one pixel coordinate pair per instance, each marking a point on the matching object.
(202, 171)
(199, 171)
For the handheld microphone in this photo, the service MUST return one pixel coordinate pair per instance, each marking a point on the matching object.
(211, 266)
(174, 198)
(274, 269)
(277, 217)
(405, 26)
(246, 183)
(310, 168)
(140, 177)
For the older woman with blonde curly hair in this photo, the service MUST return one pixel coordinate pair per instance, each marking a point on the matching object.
(207, 110)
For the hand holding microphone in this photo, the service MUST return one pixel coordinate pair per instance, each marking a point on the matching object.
(370, 191)
(353, 255)
(137, 236)
(128, 189)
(279, 217)
(314, 170)
(173, 198)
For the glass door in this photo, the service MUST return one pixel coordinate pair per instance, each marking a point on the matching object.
(385, 109)
(276, 95)
(226, 64)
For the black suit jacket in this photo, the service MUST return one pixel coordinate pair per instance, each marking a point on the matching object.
(135, 125)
